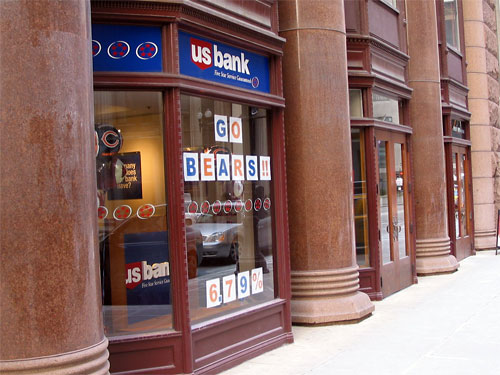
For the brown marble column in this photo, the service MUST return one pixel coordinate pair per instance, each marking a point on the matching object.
(433, 241)
(50, 294)
(482, 77)
(325, 279)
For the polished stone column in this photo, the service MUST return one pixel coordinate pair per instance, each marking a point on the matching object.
(482, 76)
(325, 278)
(50, 307)
(432, 238)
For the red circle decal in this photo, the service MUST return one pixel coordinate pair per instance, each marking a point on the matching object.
(145, 211)
(216, 207)
(248, 205)
(122, 212)
(238, 206)
(258, 204)
(102, 212)
(205, 207)
(193, 207)
(227, 206)
(267, 204)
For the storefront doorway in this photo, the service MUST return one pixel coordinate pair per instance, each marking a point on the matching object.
(461, 202)
(393, 208)
(459, 187)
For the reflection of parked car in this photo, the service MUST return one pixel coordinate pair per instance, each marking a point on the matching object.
(220, 240)
(194, 247)
(265, 235)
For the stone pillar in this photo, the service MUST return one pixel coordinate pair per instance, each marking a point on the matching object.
(433, 241)
(481, 47)
(50, 307)
(325, 278)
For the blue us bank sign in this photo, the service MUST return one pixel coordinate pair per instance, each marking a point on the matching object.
(213, 61)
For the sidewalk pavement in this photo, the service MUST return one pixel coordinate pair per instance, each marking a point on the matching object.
(445, 324)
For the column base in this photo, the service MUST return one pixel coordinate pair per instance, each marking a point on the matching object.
(485, 240)
(321, 297)
(89, 361)
(433, 257)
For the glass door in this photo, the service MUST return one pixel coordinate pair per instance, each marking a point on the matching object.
(461, 202)
(393, 207)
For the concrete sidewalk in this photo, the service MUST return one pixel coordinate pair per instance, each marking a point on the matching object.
(446, 324)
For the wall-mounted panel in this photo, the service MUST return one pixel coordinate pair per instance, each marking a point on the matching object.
(352, 17)
(457, 95)
(384, 22)
(254, 11)
(388, 65)
(160, 354)
(455, 66)
(222, 340)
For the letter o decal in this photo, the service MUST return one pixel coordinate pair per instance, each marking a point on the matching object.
(236, 133)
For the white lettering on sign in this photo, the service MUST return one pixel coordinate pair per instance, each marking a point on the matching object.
(201, 55)
(231, 62)
(141, 271)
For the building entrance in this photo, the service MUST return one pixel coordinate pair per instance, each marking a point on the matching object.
(461, 202)
(393, 211)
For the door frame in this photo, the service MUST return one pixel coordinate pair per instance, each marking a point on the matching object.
(399, 272)
(461, 247)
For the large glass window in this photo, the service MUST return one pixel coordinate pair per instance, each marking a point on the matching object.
(386, 109)
(228, 202)
(133, 230)
(360, 198)
(458, 129)
(355, 103)
(451, 24)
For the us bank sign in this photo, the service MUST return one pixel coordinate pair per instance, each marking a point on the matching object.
(213, 61)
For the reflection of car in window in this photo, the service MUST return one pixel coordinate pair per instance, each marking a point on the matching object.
(265, 235)
(220, 240)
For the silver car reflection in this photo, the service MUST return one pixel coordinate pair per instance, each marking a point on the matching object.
(220, 240)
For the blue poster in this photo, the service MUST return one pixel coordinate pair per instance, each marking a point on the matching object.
(213, 61)
(120, 48)
(147, 269)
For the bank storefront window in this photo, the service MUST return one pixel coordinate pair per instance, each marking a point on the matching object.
(133, 230)
(228, 201)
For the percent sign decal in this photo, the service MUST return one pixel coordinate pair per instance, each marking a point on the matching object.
(257, 281)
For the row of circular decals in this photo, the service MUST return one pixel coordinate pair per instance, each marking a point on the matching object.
(217, 207)
(125, 211)
(147, 210)
(120, 49)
